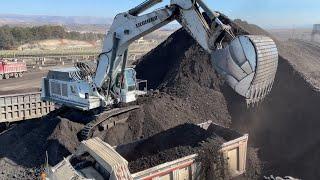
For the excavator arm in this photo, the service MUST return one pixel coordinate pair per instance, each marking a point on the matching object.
(248, 63)
(129, 26)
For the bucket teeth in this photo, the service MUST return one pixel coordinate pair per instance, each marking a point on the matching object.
(267, 64)
(258, 92)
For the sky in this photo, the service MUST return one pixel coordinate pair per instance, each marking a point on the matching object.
(266, 13)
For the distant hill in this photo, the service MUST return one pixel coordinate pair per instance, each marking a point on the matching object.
(72, 23)
(13, 19)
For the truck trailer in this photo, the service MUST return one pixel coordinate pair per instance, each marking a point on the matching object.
(96, 159)
(12, 69)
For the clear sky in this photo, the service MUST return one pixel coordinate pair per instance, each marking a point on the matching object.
(266, 13)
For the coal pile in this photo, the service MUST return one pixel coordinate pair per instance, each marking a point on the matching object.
(23, 148)
(285, 126)
(186, 89)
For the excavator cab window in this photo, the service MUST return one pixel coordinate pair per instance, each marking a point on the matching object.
(130, 79)
(118, 81)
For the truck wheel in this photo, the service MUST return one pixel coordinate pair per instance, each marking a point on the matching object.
(1, 76)
(20, 74)
(6, 76)
(15, 75)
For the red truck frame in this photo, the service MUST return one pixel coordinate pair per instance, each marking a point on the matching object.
(13, 69)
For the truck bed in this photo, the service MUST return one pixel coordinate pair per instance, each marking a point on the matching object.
(180, 146)
(112, 162)
(12, 67)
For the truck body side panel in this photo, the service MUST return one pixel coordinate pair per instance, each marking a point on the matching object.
(14, 67)
(1, 68)
(234, 150)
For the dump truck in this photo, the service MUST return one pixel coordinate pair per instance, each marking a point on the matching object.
(96, 159)
(12, 69)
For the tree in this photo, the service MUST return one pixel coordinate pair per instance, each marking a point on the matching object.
(6, 38)
(13, 37)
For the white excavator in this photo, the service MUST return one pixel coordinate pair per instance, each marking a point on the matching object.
(248, 63)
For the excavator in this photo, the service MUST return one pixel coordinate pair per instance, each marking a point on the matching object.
(248, 63)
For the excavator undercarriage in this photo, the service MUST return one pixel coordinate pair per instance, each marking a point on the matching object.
(106, 120)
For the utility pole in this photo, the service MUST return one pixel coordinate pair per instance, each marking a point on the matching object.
(315, 31)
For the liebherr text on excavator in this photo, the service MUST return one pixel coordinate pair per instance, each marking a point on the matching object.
(248, 63)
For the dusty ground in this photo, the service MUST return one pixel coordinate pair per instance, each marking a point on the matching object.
(292, 33)
(53, 44)
(305, 57)
(30, 82)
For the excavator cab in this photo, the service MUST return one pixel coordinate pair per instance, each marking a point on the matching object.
(127, 87)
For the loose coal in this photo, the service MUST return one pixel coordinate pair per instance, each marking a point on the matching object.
(285, 127)
(172, 144)
(23, 148)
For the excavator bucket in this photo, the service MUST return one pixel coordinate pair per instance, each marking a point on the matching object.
(249, 64)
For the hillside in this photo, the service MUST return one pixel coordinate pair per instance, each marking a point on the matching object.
(13, 37)
(53, 44)
(14, 19)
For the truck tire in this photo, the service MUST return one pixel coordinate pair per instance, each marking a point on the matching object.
(6, 76)
(1, 76)
(20, 74)
(15, 75)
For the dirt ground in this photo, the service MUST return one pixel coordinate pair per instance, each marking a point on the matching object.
(283, 129)
(30, 82)
(305, 57)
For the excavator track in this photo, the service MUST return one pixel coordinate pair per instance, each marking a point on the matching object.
(266, 68)
(103, 121)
